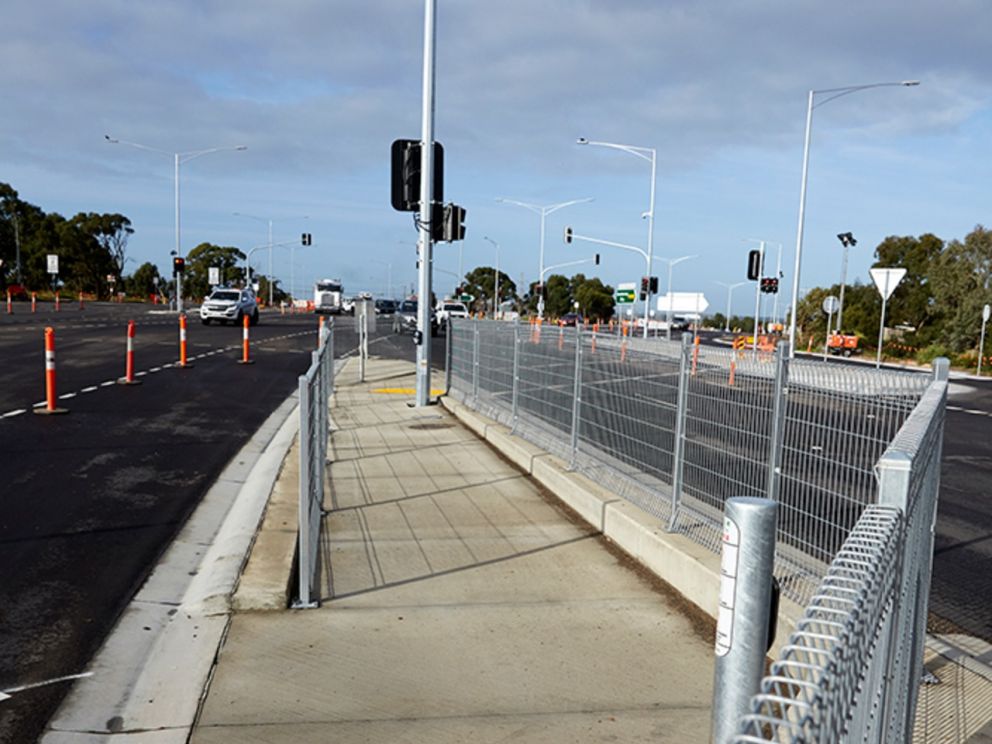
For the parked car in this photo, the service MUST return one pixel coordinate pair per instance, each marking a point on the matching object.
(407, 318)
(385, 307)
(229, 305)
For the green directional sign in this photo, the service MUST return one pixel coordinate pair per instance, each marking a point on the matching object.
(624, 296)
(466, 298)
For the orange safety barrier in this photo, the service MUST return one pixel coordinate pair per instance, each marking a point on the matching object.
(49, 407)
(182, 342)
(128, 378)
(244, 343)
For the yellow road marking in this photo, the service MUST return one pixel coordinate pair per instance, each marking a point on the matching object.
(403, 391)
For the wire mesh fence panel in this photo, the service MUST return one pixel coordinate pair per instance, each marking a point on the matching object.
(461, 361)
(545, 388)
(495, 369)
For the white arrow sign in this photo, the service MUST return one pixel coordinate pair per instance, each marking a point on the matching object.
(887, 280)
(53, 263)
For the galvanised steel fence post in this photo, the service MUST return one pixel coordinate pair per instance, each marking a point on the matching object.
(303, 588)
(743, 621)
(576, 397)
(681, 408)
(449, 329)
(777, 433)
(475, 364)
(516, 376)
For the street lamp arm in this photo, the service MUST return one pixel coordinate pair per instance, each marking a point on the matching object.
(185, 157)
(115, 141)
(642, 152)
(838, 92)
(566, 264)
(610, 243)
(555, 207)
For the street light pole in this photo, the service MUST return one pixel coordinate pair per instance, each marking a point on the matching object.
(178, 159)
(730, 292)
(668, 318)
(640, 152)
(543, 211)
(837, 93)
(496, 280)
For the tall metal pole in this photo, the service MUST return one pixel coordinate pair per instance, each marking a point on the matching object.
(270, 263)
(540, 295)
(799, 230)
(981, 343)
(425, 246)
(757, 300)
(179, 276)
(843, 281)
(668, 316)
(778, 274)
(647, 296)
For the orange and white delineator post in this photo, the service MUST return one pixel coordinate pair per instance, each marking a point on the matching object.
(244, 343)
(34, 302)
(49, 407)
(58, 304)
(10, 307)
(182, 342)
(128, 378)
(733, 369)
(695, 355)
(623, 343)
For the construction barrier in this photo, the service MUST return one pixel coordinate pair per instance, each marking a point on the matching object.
(49, 407)
(128, 378)
(244, 342)
(182, 341)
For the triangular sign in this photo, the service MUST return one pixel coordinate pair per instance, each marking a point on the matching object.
(887, 280)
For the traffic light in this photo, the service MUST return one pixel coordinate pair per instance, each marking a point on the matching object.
(653, 286)
(847, 240)
(597, 259)
(769, 284)
(450, 226)
(568, 235)
(774, 286)
(178, 265)
(306, 239)
(645, 283)
(754, 265)
(405, 181)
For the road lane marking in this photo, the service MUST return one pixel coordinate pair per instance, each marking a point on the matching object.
(18, 412)
(108, 383)
(89, 389)
(67, 396)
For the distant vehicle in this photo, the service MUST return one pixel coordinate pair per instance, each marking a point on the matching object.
(570, 319)
(841, 344)
(450, 309)
(327, 298)
(385, 307)
(229, 305)
(407, 315)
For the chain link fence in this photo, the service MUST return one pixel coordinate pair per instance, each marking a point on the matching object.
(315, 387)
(851, 671)
(678, 428)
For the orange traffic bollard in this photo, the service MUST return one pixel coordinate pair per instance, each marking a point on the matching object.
(34, 302)
(49, 407)
(244, 343)
(733, 368)
(695, 355)
(561, 337)
(80, 300)
(809, 346)
(128, 378)
(10, 307)
(182, 342)
(57, 302)
(623, 343)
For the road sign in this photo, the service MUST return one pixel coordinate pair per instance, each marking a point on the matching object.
(887, 280)
(53, 263)
(830, 304)
(466, 298)
(624, 296)
(213, 275)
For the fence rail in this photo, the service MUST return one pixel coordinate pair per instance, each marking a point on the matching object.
(678, 428)
(315, 387)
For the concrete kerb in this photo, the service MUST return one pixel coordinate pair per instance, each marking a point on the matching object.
(689, 568)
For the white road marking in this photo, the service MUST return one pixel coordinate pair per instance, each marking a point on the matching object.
(67, 396)
(108, 383)
(18, 412)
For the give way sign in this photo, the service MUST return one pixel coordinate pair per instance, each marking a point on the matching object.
(887, 280)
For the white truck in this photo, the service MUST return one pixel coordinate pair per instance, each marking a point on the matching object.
(327, 298)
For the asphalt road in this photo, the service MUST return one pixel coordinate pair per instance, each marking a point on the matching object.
(92, 498)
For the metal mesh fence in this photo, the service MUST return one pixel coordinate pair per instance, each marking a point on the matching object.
(678, 429)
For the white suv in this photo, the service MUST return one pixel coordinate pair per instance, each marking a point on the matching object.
(225, 304)
(448, 309)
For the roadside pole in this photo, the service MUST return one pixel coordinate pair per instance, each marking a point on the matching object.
(425, 246)
(981, 343)
(757, 301)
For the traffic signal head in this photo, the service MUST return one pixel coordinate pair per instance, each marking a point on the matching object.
(645, 283)
(754, 265)
(653, 285)
(306, 239)
(405, 182)
(448, 223)
(568, 235)
(597, 259)
(178, 265)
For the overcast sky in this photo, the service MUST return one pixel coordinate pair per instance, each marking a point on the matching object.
(318, 89)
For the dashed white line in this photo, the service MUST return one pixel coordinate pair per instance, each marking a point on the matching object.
(89, 389)
(142, 373)
(67, 396)
(108, 383)
(155, 369)
(18, 412)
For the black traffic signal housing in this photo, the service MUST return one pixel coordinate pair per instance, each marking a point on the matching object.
(653, 285)
(306, 239)
(769, 284)
(178, 265)
(568, 235)
(447, 223)
(597, 259)
(645, 283)
(405, 181)
(847, 240)
(754, 265)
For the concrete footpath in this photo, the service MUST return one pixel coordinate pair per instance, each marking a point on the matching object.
(460, 602)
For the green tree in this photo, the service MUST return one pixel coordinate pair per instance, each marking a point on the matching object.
(912, 303)
(557, 296)
(200, 259)
(961, 286)
(481, 282)
(111, 231)
(595, 299)
(143, 282)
